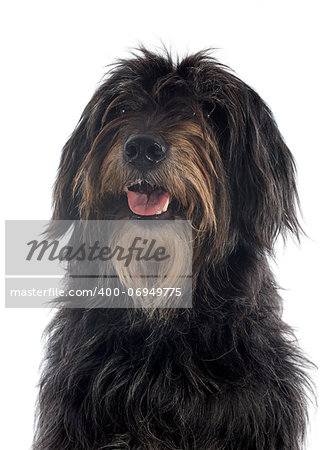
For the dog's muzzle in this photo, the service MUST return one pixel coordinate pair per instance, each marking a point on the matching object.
(144, 151)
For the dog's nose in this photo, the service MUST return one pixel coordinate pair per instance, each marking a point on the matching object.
(144, 151)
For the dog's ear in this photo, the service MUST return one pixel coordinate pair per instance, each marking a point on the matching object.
(66, 197)
(65, 202)
(260, 169)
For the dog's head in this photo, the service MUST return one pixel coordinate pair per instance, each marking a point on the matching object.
(184, 140)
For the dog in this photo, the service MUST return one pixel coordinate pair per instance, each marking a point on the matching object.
(179, 140)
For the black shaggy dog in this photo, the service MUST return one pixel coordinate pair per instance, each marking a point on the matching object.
(179, 140)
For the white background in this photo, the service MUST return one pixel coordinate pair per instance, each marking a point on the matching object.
(53, 56)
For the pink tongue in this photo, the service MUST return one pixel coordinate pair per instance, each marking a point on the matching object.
(145, 204)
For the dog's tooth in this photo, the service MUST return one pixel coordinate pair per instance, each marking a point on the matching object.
(165, 207)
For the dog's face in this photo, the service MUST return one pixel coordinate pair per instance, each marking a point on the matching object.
(180, 141)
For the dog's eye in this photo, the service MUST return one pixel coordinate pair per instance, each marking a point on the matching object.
(208, 109)
(126, 109)
(119, 111)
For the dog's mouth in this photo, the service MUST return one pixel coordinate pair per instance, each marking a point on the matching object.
(147, 201)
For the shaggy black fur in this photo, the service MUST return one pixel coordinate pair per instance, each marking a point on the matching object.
(226, 374)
